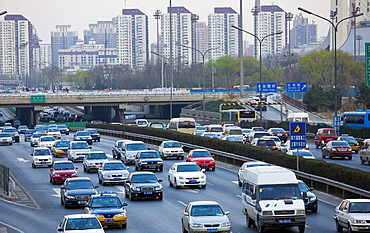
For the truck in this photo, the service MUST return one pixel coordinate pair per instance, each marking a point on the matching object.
(298, 117)
(271, 198)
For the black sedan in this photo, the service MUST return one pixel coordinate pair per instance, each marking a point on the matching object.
(143, 184)
(77, 191)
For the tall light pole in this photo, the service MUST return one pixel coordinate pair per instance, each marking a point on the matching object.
(260, 40)
(157, 16)
(241, 52)
(354, 12)
(194, 20)
(171, 65)
(203, 54)
(289, 17)
(335, 27)
(3, 12)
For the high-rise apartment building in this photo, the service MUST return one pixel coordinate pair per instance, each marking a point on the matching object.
(182, 34)
(18, 43)
(103, 32)
(45, 55)
(222, 38)
(201, 39)
(302, 32)
(132, 38)
(62, 38)
(271, 19)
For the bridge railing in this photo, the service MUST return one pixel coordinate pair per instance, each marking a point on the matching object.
(330, 186)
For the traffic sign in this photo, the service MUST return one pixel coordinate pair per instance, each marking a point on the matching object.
(336, 124)
(297, 135)
(131, 116)
(37, 98)
(367, 60)
(266, 87)
(296, 87)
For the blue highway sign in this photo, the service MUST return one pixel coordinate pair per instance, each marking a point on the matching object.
(266, 87)
(296, 87)
(297, 135)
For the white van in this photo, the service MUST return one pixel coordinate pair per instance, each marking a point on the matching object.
(271, 198)
(141, 122)
(129, 150)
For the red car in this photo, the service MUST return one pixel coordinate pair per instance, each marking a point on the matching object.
(337, 148)
(203, 158)
(62, 170)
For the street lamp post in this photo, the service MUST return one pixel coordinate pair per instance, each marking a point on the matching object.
(335, 27)
(203, 54)
(260, 40)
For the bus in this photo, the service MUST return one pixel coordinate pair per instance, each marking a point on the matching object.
(184, 125)
(356, 120)
(236, 116)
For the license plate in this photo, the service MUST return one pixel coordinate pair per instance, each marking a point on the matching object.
(64, 178)
(43, 162)
(108, 220)
(204, 165)
(151, 166)
(192, 181)
(81, 157)
(82, 202)
(148, 193)
(212, 230)
(284, 221)
(174, 154)
(117, 178)
(279, 134)
(329, 139)
(342, 149)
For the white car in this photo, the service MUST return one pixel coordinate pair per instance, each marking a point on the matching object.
(306, 154)
(186, 174)
(46, 141)
(241, 172)
(171, 149)
(353, 214)
(80, 223)
(77, 150)
(205, 216)
(54, 132)
(41, 157)
(112, 172)
(6, 139)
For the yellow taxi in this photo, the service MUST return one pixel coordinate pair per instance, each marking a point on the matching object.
(108, 208)
(352, 142)
(60, 148)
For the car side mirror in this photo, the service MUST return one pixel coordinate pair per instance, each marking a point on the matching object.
(227, 213)
(128, 182)
(160, 180)
(124, 204)
(60, 228)
(87, 205)
(62, 187)
(51, 169)
(90, 147)
(31, 154)
(186, 214)
(213, 155)
(76, 168)
(96, 187)
(311, 189)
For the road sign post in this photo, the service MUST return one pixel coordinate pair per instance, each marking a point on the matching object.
(367, 60)
(297, 137)
(336, 124)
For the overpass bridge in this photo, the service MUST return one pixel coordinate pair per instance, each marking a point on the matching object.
(106, 106)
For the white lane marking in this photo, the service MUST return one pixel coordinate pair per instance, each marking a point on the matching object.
(10, 226)
(22, 160)
(182, 203)
(235, 182)
(239, 196)
(57, 191)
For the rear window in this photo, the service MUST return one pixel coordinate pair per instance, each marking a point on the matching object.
(235, 131)
(266, 143)
(329, 132)
(216, 129)
(259, 135)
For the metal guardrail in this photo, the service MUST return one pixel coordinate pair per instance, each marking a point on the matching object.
(238, 160)
(4, 179)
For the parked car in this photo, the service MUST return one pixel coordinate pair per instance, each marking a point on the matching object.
(143, 184)
(78, 150)
(94, 160)
(148, 159)
(94, 134)
(62, 170)
(80, 223)
(83, 136)
(186, 174)
(203, 158)
(108, 208)
(279, 132)
(117, 148)
(76, 191)
(310, 200)
(171, 149)
(112, 172)
(41, 157)
(6, 139)
(337, 149)
(352, 214)
(205, 216)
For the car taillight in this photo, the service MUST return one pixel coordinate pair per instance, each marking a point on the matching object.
(273, 134)
(274, 147)
(258, 146)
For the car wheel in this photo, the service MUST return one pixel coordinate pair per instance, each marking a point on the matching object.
(213, 169)
(317, 146)
(203, 186)
(99, 180)
(132, 198)
(99, 140)
(362, 161)
(161, 169)
(169, 182)
(160, 197)
(314, 210)
(114, 156)
(50, 180)
(84, 168)
(349, 228)
(33, 165)
(330, 156)
(124, 226)
(53, 181)
(248, 220)
(349, 157)
(182, 157)
(301, 228)
(65, 205)
(323, 156)
(183, 228)
(175, 184)
(261, 229)
(104, 183)
(338, 226)
(136, 168)
(126, 194)
(61, 201)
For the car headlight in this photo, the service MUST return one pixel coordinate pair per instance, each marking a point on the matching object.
(159, 162)
(196, 225)
(135, 188)
(99, 216)
(225, 224)
(212, 161)
(265, 213)
(203, 177)
(301, 212)
(74, 174)
(106, 176)
(313, 199)
(121, 215)
(360, 221)
(144, 163)
(78, 138)
(159, 187)
(70, 197)
(181, 178)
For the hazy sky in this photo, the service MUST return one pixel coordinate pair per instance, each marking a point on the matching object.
(46, 14)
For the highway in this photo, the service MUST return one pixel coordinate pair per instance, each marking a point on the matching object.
(144, 215)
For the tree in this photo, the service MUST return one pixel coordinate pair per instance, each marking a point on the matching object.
(317, 99)
(363, 96)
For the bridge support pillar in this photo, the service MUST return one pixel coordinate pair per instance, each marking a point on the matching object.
(29, 116)
(103, 113)
(121, 110)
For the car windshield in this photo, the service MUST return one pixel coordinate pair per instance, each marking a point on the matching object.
(188, 168)
(138, 146)
(96, 156)
(186, 124)
(62, 127)
(280, 191)
(42, 152)
(263, 143)
(303, 187)
(206, 210)
(329, 133)
(148, 155)
(303, 153)
(197, 154)
(47, 139)
(30, 131)
(10, 130)
(82, 224)
(114, 166)
(53, 130)
(83, 133)
(62, 144)
(348, 139)
(255, 165)
(215, 129)
(80, 146)
(105, 202)
(234, 139)
(359, 207)
(156, 125)
(144, 178)
(64, 166)
(4, 135)
(235, 131)
(80, 184)
(339, 143)
(258, 129)
(37, 135)
(92, 131)
(259, 135)
(171, 145)
(277, 130)
(119, 144)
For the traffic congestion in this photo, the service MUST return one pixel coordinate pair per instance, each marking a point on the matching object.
(132, 185)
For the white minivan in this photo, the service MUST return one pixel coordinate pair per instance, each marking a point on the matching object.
(41, 157)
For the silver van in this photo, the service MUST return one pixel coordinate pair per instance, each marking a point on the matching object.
(365, 152)
(130, 149)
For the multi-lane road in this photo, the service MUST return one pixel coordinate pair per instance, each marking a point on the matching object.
(44, 214)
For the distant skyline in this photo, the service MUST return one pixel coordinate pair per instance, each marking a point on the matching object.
(46, 14)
